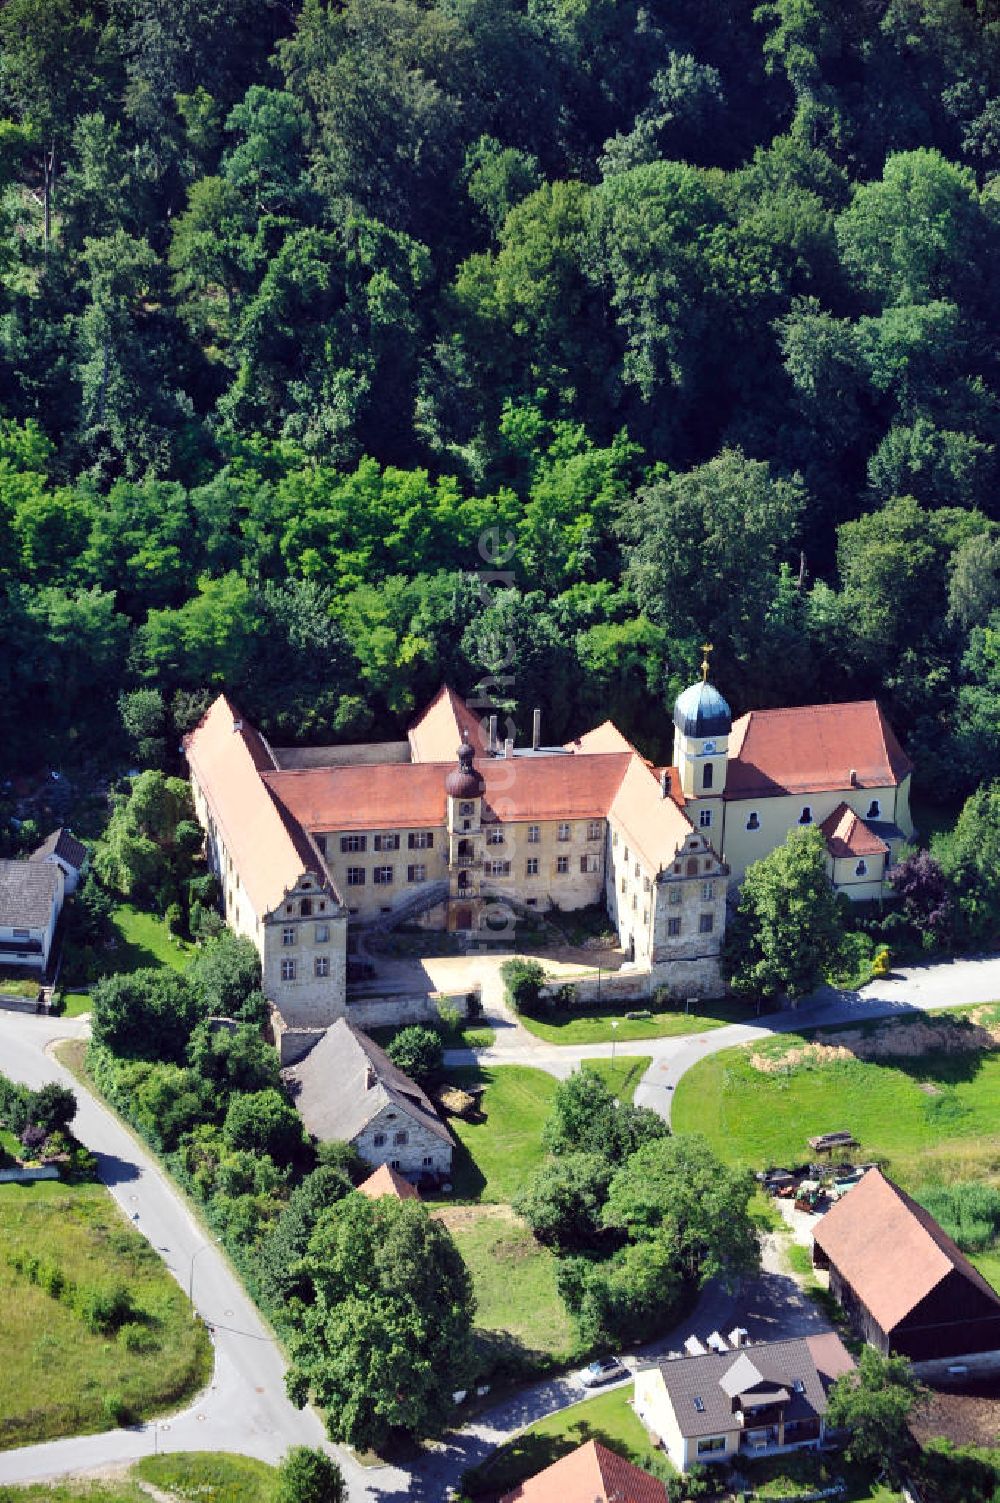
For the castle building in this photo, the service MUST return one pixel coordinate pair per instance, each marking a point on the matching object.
(450, 829)
(837, 766)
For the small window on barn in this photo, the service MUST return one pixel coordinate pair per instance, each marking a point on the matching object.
(806, 817)
(874, 810)
(753, 820)
(861, 870)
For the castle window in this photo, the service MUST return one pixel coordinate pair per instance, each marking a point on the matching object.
(589, 864)
(673, 928)
(534, 834)
(355, 876)
(531, 866)
(353, 843)
(495, 837)
(320, 844)
(705, 818)
(378, 1139)
(861, 870)
(382, 875)
(708, 891)
(386, 843)
(692, 867)
(321, 934)
(707, 775)
(638, 869)
(416, 873)
(562, 865)
(498, 868)
(421, 840)
(645, 916)
(288, 970)
(874, 810)
(288, 936)
(306, 907)
(594, 830)
(466, 809)
(806, 817)
(400, 1139)
(624, 885)
(428, 1162)
(564, 832)
(647, 885)
(321, 965)
(753, 820)
(706, 923)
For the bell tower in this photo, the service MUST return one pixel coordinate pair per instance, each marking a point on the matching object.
(702, 723)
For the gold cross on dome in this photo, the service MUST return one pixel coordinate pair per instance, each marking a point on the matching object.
(706, 648)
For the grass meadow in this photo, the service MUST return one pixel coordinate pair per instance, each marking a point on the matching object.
(58, 1377)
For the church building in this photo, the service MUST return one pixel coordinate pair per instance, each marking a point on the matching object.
(837, 766)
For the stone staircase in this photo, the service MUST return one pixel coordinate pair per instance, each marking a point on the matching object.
(428, 896)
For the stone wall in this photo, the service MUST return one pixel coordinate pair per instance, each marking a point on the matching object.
(423, 1152)
(589, 988)
(293, 1040)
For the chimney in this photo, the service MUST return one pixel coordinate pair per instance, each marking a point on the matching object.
(370, 1078)
(237, 725)
(665, 783)
(508, 747)
(854, 777)
(492, 747)
(536, 729)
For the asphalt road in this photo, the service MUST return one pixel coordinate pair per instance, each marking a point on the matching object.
(246, 1410)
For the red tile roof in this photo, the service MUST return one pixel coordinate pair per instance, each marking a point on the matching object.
(408, 797)
(656, 826)
(438, 730)
(847, 834)
(590, 1474)
(890, 1250)
(229, 760)
(813, 749)
(388, 1181)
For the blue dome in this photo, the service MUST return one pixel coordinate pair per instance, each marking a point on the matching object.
(702, 711)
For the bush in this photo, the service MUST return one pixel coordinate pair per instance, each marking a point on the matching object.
(13, 1106)
(117, 1410)
(104, 1309)
(523, 981)
(263, 1122)
(418, 1052)
(52, 1108)
(135, 1337)
(309, 1476)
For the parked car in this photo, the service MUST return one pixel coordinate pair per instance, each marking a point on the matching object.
(604, 1370)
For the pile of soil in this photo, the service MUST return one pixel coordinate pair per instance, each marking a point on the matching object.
(893, 1039)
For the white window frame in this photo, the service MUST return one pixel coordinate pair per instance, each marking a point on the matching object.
(288, 970)
(321, 965)
(383, 876)
(287, 936)
(704, 819)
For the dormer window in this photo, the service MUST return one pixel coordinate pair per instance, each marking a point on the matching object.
(874, 810)
(806, 817)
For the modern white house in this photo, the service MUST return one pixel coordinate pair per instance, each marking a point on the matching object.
(31, 898)
(756, 1401)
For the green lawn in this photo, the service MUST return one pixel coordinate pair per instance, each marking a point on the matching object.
(931, 1116)
(520, 1312)
(608, 1418)
(593, 1025)
(74, 1004)
(790, 1476)
(211, 1477)
(624, 1075)
(988, 1264)
(496, 1155)
(143, 940)
(58, 1377)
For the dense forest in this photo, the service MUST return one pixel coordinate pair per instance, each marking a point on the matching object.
(347, 347)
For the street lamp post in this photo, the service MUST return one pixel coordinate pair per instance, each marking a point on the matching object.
(197, 1252)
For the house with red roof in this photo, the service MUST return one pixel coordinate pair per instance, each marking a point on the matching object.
(839, 766)
(591, 1474)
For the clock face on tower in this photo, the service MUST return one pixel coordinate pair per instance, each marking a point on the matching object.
(708, 748)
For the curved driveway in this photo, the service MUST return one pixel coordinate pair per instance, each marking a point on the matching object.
(245, 1409)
